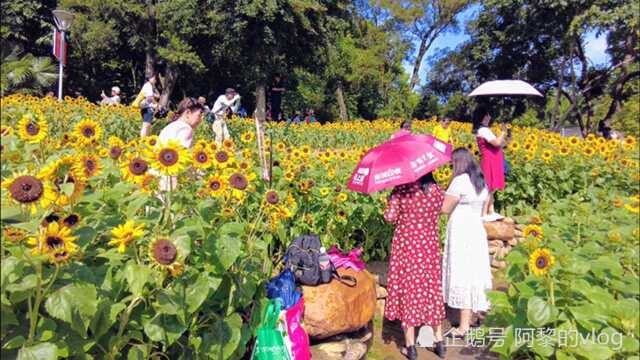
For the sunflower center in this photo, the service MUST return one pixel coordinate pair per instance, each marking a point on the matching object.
(71, 220)
(541, 262)
(534, 233)
(222, 156)
(54, 242)
(202, 157)
(238, 181)
(168, 157)
(26, 189)
(32, 129)
(164, 252)
(60, 255)
(88, 132)
(214, 185)
(138, 166)
(90, 165)
(51, 218)
(115, 152)
(272, 198)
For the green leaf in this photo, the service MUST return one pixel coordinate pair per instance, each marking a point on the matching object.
(42, 351)
(78, 297)
(137, 276)
(539, 312)
(14, 343)
(28, 282)
(592, 350)
(105, 317)
(226, 246)
(197, 292)
(224, 337)
(499, 299)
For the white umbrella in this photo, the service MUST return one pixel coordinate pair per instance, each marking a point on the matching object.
(505, 88)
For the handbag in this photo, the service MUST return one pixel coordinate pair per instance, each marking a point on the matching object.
(283, 287)
(137, 102)
(350, 260)
(297, 335)
(269, 340)
(303, 259)
(506, 166)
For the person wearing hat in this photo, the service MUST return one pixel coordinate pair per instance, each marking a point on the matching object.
(229, 102)
(113, 99)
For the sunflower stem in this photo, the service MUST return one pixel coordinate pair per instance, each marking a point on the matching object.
(33, 316)
(552, 295)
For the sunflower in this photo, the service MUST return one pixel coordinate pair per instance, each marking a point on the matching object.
(281, 147)
(342, 197)
(87, 131)
(222, 159)
(514, 146)
(201, 158)
(533, 230)
(133, 167)
(88, 165)
(618, 203)
(147, 183)
(227, 212)
(31, 130)
(170, 158)
(588, 151)
(56, 242)
(564, 150)
(116, 146)
(71, 220)
(614, 236)
(164, 255)
(547, 155)
(272, 197)
(631, 208)
(30, 190)
(247, 137)
(13, 234)
(289, 176)
(540, 261)
(229, 145)
(124, 234)
(324, 191)
(215, 186)
(150, 141)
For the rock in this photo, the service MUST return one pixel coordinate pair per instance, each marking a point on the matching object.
(502, 252)
(508, 220)
(347, 349)
(496, 243)
(498, 264)
(381, 293)
(520, 227)
(332, 347)
(517, 232)
(380, 304)
(499, 230)
(514, 242)
(520, 240)
(379, 269)
(336, 308)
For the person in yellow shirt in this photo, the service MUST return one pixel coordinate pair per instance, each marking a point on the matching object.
(442, 131)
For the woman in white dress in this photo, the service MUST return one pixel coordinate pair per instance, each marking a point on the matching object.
(466, 272)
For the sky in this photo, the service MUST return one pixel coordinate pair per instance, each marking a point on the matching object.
(594, 49)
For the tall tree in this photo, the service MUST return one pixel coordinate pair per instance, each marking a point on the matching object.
(425, 20)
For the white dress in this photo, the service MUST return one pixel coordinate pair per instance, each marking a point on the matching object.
(466, 272)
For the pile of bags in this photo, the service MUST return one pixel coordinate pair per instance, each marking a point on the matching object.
(281, 335)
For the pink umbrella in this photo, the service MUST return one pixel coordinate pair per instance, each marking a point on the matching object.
(399, 161)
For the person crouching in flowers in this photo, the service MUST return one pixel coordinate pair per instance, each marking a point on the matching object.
(180, 130)
(466, 271)
(414, 283)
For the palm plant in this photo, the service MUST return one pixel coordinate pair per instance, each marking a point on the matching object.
(25, 74)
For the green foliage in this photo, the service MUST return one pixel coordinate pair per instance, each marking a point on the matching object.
(26, 73)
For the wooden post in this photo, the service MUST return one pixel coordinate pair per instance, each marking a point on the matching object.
(260, 115)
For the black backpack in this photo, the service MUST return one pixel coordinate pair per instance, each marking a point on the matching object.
(302, 258)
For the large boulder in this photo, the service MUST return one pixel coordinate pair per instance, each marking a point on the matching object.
(499, 230)
(335, 308)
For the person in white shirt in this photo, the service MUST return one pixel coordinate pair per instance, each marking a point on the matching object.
(185, 120)
(148, 105)
(229, 102)
(113, 99)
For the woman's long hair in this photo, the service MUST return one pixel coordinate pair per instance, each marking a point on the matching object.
(478, 114)
(190, 104)
(426, 181)
(464, 163)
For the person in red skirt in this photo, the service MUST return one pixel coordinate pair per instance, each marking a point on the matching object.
(414, 277)
(491, 158)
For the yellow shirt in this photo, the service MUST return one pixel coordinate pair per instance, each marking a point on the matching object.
(441, 133)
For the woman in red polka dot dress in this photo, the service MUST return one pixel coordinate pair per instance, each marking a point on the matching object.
(414, 278)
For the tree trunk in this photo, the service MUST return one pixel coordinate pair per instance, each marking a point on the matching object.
(556, 108)
(260, 117)
(344, 115)
(168, 82)
(425, 44)
(149, 63)
(261, 101)
(150, 56)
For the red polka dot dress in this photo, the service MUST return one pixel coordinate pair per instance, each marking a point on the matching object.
(414, 278)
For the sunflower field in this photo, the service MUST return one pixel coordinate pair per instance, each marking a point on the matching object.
(97, 262)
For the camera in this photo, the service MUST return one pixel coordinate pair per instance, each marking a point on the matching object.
(161, 113)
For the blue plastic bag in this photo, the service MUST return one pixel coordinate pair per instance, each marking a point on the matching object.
(507, 166)
(283, 287)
